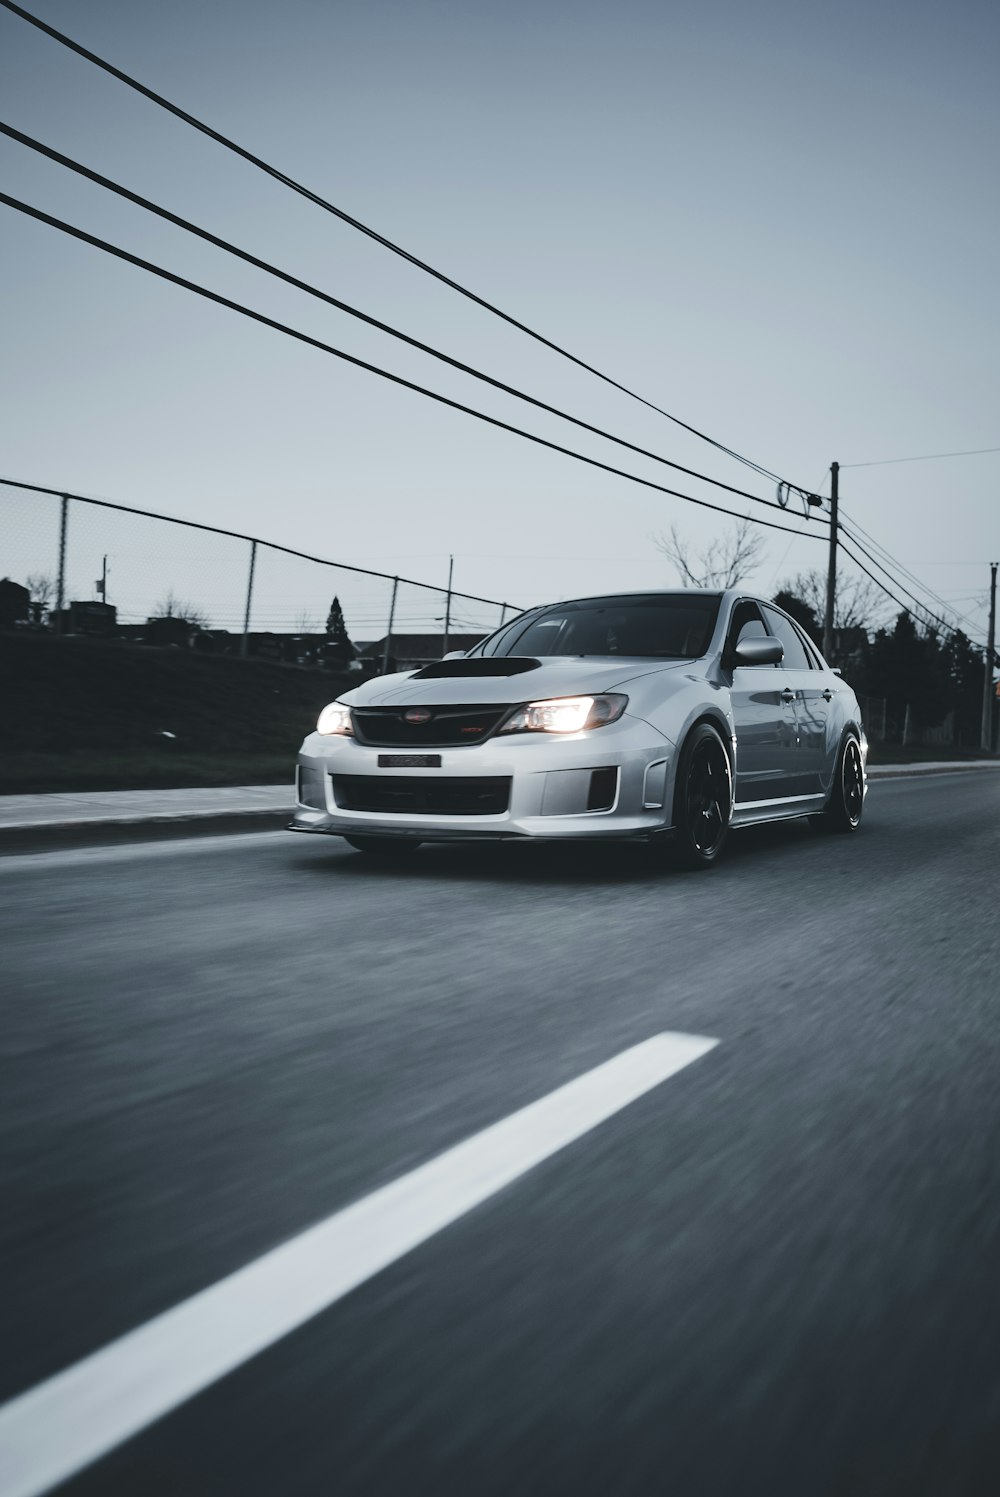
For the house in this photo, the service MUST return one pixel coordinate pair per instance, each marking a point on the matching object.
(15, 604)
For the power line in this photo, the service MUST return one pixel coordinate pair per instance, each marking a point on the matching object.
(950, 628)
(397, 379)
(904, 570)
(902, 587)
(355, 223)
(884, 462)
(342, 306)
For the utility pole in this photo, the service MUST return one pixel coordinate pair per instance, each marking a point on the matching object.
(245, 641)
(102, 586)
(831, 574)
(987, 735)
(447, 607)
(61, 574)
(387, 652)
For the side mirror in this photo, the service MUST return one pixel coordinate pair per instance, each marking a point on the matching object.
(764, 651)
(454, 655)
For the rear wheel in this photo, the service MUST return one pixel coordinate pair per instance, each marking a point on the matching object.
(847, 795)
(703, 799)
(383, 847)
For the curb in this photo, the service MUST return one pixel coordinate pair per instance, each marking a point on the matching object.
(54, 836)
(908, 771)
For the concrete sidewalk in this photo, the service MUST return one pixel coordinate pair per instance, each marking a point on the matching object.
(42, 818)
(71, 818)
(98, 807)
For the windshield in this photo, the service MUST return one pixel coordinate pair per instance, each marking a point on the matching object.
(660, 625)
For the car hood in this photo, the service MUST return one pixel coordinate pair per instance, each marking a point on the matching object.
(555, 676)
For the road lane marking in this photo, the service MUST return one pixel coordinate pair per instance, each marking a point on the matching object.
(64, 1424)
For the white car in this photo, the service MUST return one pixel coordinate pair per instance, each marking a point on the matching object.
(656, 716)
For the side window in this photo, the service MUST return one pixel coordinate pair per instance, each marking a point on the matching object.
(746, 623)
(495, 644)
(795, 657)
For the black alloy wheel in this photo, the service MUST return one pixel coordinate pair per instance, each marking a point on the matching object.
(703, 800)
(386, 848)
(847, 799)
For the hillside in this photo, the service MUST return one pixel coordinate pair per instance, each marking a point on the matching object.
(83, 713)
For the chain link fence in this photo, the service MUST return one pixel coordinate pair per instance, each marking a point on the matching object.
(81, 565)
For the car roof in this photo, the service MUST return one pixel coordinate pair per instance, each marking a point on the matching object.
(643, 592)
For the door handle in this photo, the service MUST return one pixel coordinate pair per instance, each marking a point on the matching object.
(788, 695)
(827, 695)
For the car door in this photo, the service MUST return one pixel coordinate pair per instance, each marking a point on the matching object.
(764, 716)
(812, 700)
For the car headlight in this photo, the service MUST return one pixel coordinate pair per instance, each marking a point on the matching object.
(566, 714)
(336, 718)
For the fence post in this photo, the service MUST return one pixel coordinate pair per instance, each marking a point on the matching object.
(447, 608)
(388, 632)
(244, 643)
(503, 613)
(61, 573)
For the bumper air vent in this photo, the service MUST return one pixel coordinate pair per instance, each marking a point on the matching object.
(603, 789)
(485, 795)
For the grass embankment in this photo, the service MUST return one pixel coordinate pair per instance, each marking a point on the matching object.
(83, 714)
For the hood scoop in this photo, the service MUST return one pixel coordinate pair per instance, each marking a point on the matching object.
(493, 665)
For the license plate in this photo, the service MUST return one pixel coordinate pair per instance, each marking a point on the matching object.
(409, 761)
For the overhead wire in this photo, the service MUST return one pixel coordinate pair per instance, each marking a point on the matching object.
(949, 628)
(924, 457)
(899, 567)
(165, 213)
(914, 598)
(397, 379)
(355, 223)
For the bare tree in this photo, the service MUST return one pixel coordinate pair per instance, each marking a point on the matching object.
(172, 607)
(722, 563)
(42, 587)
(42, 594)
(858, 603)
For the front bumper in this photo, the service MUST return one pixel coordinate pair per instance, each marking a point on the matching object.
(551, 779)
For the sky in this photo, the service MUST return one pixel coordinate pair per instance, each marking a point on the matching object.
(776, 220)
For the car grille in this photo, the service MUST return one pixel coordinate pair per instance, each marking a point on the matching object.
(448, 727)
(484, 795)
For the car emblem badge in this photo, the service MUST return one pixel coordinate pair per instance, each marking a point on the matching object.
(417, 715)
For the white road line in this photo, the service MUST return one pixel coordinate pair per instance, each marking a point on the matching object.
(62, 1425)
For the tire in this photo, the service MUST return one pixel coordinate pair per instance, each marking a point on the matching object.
(846, 805)
(703, 799)
(386, 848)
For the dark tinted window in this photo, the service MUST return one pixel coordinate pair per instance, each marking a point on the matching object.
(795, 657)
(746, 622)
(495, 643)
(661, 625)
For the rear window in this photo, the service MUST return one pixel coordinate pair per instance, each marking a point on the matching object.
(675, 626)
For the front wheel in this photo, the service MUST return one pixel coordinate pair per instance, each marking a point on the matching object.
(382, 847)
(847, 795)
(703, 799)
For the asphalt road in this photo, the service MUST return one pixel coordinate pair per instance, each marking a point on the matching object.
(776, 1272)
